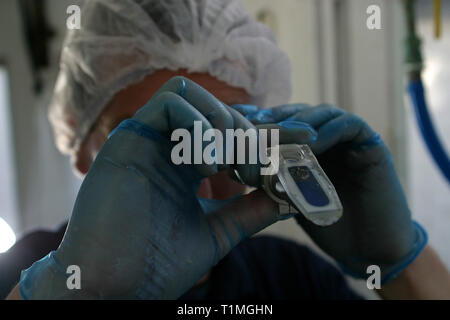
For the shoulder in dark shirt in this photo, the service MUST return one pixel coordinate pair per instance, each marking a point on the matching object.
(272, 268)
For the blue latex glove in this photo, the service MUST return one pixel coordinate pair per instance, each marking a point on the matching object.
(376, 228)
(138, 230)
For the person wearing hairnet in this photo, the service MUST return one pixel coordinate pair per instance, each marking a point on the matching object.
(144, 228)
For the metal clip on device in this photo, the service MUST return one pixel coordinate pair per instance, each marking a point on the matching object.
(301, 186)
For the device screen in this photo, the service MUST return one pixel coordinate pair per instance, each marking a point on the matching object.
(309, 186)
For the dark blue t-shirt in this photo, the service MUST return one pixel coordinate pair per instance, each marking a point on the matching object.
(259, 268)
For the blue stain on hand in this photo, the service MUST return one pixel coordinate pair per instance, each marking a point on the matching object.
(245, 109)
(183, 89)
(262, 116)
(294, 125)
(372, 142)
(210, 206)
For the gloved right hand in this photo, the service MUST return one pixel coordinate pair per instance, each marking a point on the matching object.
(138, 230)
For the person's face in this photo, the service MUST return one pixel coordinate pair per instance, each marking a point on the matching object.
(127, 102)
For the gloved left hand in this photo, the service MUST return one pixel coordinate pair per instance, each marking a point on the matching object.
(138, 230)
(376, 228)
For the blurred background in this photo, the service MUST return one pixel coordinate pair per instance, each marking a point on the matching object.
(335, 59)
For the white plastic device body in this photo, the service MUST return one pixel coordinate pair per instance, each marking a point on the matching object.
(301, 186)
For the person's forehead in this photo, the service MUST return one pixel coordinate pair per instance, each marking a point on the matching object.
(220, 89)
(128, 101)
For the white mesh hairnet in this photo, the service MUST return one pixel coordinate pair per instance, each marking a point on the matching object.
(123, 41)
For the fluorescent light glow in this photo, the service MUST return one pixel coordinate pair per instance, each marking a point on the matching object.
(7, 236)
(431, 71)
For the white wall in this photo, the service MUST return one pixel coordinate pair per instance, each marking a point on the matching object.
(46, 187)
(8, 188)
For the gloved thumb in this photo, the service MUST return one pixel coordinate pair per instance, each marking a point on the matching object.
(241, 219)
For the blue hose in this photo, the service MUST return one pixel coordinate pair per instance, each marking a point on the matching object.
(417, 92)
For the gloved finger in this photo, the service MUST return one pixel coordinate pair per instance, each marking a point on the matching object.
(347, 128)
(239, 121)
(277, 114)
(290, 132)
(283, 112)
(164, 114)
(241, 219)
(245, 151)
(317, 116)
(245, 109)
(211, 108)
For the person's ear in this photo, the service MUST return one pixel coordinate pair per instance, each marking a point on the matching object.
(81, 162)
(86, 154)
